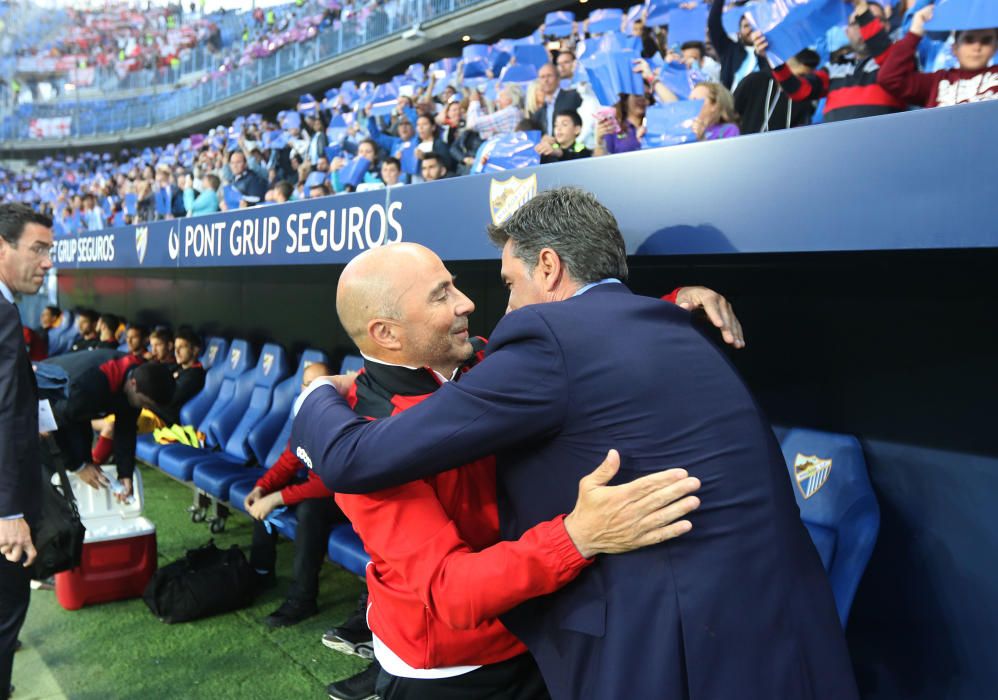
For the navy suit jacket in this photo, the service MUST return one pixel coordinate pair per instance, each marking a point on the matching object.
(20, 458)
(740, 607)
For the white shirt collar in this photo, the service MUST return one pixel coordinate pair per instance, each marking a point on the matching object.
(586, 288)
(439, 376)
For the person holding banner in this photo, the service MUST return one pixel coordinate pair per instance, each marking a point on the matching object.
(737, 57)
(976, 80)
(853, 92)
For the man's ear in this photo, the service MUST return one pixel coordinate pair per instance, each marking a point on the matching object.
(551, 269)
(384, 334)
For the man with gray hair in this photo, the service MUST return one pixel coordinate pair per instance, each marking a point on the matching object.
(740, 606)
(504, 120)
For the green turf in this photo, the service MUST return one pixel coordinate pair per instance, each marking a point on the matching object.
(120, 650)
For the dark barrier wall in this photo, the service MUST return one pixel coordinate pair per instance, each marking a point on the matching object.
(895, 346)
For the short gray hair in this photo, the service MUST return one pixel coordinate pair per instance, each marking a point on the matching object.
(574, 224)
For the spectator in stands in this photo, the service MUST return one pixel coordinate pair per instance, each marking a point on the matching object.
(316, 513)
(433, 167)
(86, 325)
(318, 142)
(366, 149)
(319, 188)
(694, 55)
(205, 201)
(102, 383)
(92, 214)
(759, 96)
(554, 99)
(503, 121)
(624, 133)
(450, 121)
(439, 576)
(737, 57)
(136, 337)
(393, 145)
(188, 373)
(107, 327)
(251, 186)
(282, 192)
(391, 171)
(718, 118)
(161, 346)
(853, 92)
(50, 317)
(648, 45)
(565, 144)
(430, 142)
(565, 62)
(975, 80)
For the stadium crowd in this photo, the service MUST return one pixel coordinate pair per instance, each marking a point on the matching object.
(541, 99)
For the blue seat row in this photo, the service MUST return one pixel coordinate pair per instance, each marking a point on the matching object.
(244, 411)
(61, 337)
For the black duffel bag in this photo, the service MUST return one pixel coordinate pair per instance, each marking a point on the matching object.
(58, 535)
(207, 581)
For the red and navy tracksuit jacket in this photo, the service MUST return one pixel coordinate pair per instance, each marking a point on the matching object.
(439, 575)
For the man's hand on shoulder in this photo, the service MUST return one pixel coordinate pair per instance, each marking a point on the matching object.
(718, 310)
(643, 512)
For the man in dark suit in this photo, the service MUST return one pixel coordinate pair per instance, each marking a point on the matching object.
(25, 244)
(740, 606)
(556, 100)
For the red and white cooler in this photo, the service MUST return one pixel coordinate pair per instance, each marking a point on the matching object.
(119, 550)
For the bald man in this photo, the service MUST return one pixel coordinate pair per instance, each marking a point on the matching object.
(316, 513)
(439, 575)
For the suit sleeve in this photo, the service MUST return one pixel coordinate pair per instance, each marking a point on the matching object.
(899, 74)
(518, 393)
(10, 476)
(461, 587)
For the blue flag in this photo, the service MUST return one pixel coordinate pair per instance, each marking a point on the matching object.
(384, 99)
(353, 172)
(410, 163)
(792, 25)
(558, 24)
(476, 60)
(131, 203)
(608, 20)
(508, 152)
(688, 25)
(531, 55)
(680, 79)
(231, 196)
(963, 14)
(611, 74)
(672, 123)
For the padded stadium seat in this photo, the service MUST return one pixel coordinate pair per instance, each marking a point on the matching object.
(214, 348)
(346, 550)
(837, 505)
(195, 410)
(232, 398)
(351, 363)
(280, 414)
(147, 449)
(286, 523)
(215, 473)
(61, 337)
(240, 490)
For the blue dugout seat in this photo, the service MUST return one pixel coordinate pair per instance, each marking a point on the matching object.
(61, 337)
(233, 397)
(215, 473)
(194, 411)
(271, 435)
(346, 549)
(837, 505)
(351, 363)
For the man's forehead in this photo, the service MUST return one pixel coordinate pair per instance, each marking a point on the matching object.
(34, 233)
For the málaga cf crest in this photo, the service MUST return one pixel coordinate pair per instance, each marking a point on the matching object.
(509, 195)
(811, 473)
(141, 242)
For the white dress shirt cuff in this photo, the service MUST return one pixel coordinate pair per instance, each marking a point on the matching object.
(306, 392)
